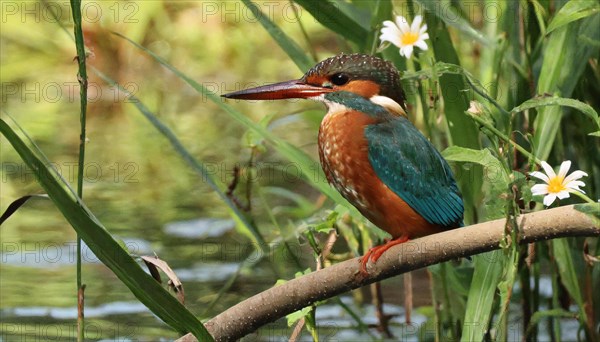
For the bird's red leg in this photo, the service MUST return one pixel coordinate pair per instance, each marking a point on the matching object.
(375, 253)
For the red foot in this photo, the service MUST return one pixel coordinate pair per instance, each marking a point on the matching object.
(375, 253)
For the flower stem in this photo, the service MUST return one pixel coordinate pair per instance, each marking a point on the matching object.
(505, 138)
(583, 197)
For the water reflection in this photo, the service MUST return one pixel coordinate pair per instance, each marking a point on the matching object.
(207, 272)
(113, 308)
(200, 228)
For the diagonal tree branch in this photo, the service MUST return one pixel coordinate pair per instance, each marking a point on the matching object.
(279, 301)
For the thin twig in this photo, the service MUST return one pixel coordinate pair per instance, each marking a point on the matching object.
(383, 319)
(408, 296)
(83, 94)
(231, 189)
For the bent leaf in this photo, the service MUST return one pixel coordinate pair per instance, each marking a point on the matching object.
(559, 101)
(154, 264)
(482, 157)
(571, 11)
(16, 204)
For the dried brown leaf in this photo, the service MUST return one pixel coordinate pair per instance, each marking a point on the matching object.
(154, 264)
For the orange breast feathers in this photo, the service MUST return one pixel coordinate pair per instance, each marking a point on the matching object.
(343, 150)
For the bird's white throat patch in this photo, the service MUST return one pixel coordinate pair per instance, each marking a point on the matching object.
(332, 107)
(384, 101)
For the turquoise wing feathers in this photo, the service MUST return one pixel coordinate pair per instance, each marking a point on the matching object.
(413, 169)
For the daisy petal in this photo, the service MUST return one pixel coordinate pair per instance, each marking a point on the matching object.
(540, 175)
(563, 194)
(575, 189)
(402, 24)
(575, 184)
(424, 36)
(421, 44)
(414, 27)
(564, 168)
(548, 169)
(575, 175)
(392, 30)
(539, 189)
(389, 23)
(549, 199)
(389, 37)
(406, 51)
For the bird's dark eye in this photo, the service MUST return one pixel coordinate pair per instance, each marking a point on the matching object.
(340, 79)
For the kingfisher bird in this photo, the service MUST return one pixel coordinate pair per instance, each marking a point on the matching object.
(370, 151)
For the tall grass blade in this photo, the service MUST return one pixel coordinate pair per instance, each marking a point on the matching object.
(451, 17)
(329, 15)
(560, 73)
(488, 272)
(571, 11)
(285, 42)
(451, 288)
(91, 231)
(570, 271)
(382, 11)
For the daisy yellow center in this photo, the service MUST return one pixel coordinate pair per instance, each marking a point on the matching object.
(556, 185)
(409, 38)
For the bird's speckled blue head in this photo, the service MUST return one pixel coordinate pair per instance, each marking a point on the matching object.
(360, 74)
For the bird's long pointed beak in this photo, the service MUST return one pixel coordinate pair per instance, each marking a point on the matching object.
(295, 89)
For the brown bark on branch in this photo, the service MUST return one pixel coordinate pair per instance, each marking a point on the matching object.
(298, 293)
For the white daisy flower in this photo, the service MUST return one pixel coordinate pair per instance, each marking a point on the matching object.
(404, 36)
(557, 186)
